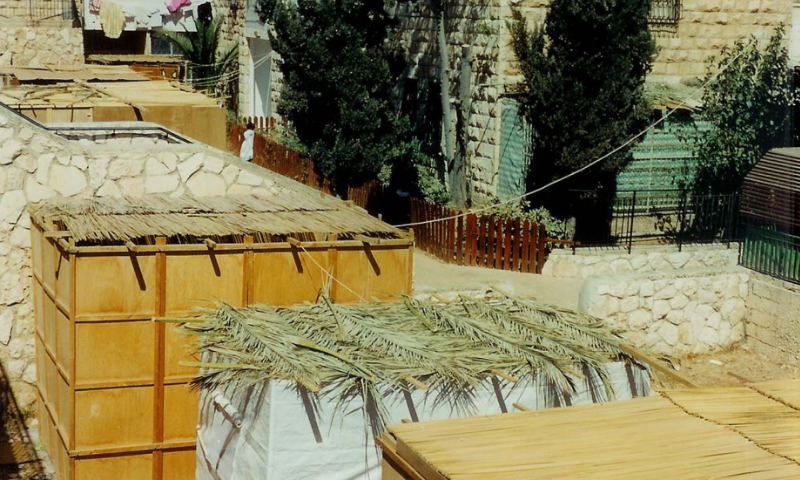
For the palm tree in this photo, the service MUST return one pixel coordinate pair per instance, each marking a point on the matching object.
(210, 69)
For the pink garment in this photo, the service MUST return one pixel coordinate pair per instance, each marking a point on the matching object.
(176, 5)
(94, 6)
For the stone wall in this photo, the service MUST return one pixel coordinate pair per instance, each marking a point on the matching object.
(675, 313)
(586, 262)
(474, 51)
(38, 46)
(36, 164)
(773, 320)
(706, 27)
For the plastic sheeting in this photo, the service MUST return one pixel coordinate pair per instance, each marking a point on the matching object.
(290, 434)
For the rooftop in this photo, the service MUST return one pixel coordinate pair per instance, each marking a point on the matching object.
(291, 213)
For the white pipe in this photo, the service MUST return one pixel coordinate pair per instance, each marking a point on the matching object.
(224, 405)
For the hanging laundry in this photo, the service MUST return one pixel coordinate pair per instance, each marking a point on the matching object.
(94, 6)
(112, 19)
(176, 5)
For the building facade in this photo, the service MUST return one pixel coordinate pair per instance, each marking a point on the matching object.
(486, 133)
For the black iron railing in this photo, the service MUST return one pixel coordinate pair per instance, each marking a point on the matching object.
(770, 250)
(665, 12)
(38, 10)
(669, 217)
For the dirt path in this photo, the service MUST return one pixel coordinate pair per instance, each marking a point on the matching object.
(431, 273)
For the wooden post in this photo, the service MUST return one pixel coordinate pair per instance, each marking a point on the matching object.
(333, 257)
(249, 270)
(160, 340)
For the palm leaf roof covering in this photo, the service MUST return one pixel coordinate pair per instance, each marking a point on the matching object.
(368, 350)
(129, 218)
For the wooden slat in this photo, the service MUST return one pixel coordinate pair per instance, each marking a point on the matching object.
(526, 236)
(482, 241)
(490, 241)
(460, 240)
(499, 243)
(540, 249)
(532, 252)
(507, 244)
(517, 245)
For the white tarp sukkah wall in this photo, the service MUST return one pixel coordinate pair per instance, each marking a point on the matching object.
(288, 434)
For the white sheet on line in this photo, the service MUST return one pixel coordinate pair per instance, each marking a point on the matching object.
(282, 438)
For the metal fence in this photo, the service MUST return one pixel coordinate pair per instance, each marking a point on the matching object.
(671, 217)
(38, 9)
(768, 250)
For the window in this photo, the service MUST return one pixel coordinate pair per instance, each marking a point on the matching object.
(159, 46)
(665, 12)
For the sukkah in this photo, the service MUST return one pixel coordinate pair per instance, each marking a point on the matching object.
(375, 350)
(293, 212)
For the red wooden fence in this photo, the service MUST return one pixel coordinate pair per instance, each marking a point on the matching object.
(485, 241)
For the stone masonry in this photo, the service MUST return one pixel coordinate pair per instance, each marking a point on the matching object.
(773, 319)
(39, 46)
(36, 164)
(673, 313)
(586, 262)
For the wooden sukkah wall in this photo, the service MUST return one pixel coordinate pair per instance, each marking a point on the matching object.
(114, 401)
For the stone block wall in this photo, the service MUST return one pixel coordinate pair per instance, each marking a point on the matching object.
(36, 164)
(773, 320)
(474, 47)
(24, 45)
(690, 311)
(706, 27)
(585, 262)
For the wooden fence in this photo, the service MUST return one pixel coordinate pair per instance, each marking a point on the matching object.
(290, 163)
(484, 241)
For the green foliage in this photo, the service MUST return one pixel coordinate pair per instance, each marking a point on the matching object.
(339, 80)
(522, 211)
(430, 188)
(211, 67)
(747, 107)
(582, 94)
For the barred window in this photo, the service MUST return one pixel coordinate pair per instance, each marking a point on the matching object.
(665, 12)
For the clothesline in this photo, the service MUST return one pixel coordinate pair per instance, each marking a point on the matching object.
(114, 15)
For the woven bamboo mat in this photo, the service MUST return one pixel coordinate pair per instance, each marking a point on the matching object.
(687, 434)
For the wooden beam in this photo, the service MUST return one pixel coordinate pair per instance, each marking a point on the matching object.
(60, 234)
(294, 242)
(368, 240)
(658, 365)
(504, 376)
(521, 408)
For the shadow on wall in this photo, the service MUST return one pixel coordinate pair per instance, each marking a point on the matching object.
(17, 453)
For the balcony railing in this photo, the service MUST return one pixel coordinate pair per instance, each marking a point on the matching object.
(38, 10)
(665, 12)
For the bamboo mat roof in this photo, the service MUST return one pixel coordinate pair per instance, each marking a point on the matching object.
(115, 73)
(681, 434)
(128, 218)
(373, 350)
(74, 95)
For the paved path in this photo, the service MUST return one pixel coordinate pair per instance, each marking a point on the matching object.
(433, 274)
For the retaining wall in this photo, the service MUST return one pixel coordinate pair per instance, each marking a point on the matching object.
(586, 262)
(673, 313)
